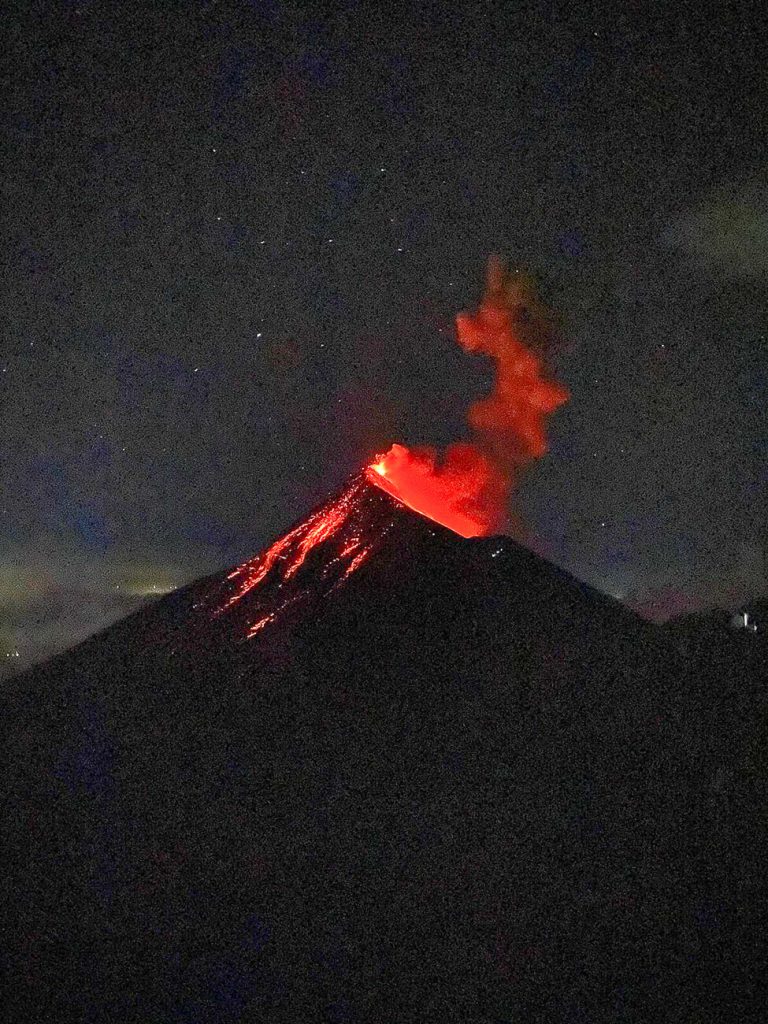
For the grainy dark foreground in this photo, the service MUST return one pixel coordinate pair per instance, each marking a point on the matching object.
(450, 783)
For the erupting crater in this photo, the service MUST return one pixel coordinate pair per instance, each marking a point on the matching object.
(318, 556)
(465, 488)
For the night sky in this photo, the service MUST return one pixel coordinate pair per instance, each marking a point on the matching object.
(237, 236)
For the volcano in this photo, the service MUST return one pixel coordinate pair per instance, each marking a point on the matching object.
(382, 772)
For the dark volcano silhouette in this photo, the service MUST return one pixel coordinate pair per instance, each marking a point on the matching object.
(382, 773)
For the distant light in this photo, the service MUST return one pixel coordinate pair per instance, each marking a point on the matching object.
(742, 620)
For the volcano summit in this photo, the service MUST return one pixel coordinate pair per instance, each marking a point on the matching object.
(381, 772)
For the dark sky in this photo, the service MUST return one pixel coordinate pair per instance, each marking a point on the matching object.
(237, 236)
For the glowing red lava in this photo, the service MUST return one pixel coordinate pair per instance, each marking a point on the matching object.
(338, 522)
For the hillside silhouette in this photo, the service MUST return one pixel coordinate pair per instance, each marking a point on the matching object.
(453, 783)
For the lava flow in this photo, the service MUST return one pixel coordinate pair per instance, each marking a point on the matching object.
(467, 488)
(345, 530)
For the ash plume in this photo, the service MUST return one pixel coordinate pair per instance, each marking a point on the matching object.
(467, 487)
(512, 326)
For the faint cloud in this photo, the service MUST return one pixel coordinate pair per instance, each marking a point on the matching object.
(32, 631)
(51, 600)
(727, 232)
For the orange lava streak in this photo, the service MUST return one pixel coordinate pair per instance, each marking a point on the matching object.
(349, 548)
(287, 555)
(259, 625)
(321, 531)
(356, 562)
(256, 572)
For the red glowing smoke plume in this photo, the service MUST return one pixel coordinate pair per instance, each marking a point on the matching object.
(468, 489)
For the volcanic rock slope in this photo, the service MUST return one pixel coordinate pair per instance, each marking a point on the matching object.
(382, 773)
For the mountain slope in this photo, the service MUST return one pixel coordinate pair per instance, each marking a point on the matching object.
(441, 781)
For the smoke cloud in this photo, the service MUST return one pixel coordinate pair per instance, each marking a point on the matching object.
(468, 487)
(727, 232)
(513, 327)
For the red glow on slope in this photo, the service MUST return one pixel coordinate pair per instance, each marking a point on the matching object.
(290, 551)
(259, 624)
(467, 488)
(272, 580)
(327, 525)
(356, 562)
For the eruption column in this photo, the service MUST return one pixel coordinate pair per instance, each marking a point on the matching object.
(468, 488)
